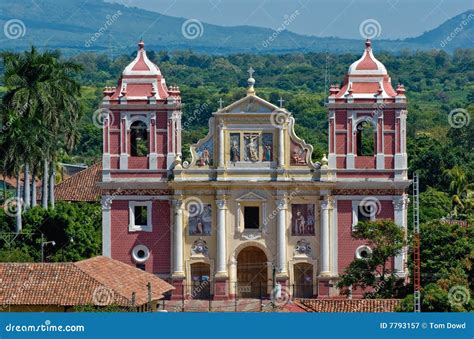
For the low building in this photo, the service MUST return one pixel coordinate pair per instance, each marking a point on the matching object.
(348, 305)
(60, 287)
(81, 186)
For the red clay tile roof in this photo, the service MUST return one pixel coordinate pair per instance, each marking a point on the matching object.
(349, 305)
(124, 278)
(81, 186)
(97, 281)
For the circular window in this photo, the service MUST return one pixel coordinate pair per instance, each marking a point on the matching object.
(363, 252)
(140, 254)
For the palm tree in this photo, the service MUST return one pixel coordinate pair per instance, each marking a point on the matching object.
(43, 94)
(461, 190)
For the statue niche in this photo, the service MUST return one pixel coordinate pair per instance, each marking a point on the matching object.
(235, 147)
(251, 142)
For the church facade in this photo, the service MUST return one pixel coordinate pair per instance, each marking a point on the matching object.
(251, 207)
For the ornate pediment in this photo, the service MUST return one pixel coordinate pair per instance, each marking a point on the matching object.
(203, 153)
(251, 104)
(251, 196)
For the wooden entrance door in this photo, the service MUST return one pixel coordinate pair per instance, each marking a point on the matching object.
(303, 287)
(200, 280)
(251, 273)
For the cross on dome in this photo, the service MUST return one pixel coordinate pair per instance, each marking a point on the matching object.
(251, 82)
(220, 103)
(368, 44)
(251, 71)
(281, 101)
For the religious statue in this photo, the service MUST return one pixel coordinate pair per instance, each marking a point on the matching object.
(268, 153)
(302, 219)
(234, 152)
(206, 158)
(252, 147)
(200, 221)
(298, 157)
(299, 223)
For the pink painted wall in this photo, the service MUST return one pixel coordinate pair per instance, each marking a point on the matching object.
(346, 243)
(157, 241)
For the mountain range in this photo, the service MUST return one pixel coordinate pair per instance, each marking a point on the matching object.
(94, 25)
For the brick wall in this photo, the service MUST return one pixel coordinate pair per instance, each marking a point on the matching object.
(157, 241)
(346, 243)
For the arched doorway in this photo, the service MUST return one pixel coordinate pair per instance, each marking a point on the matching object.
(251, 273)
(200, 281)
(303, 286)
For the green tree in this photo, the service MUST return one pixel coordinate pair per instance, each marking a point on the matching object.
(434, 205)
(461, 190)
(447, 270)
(41, 110)
(74, 227)
(374, 272)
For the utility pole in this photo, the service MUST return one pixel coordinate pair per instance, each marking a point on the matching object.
(43, 243)
(416, 244)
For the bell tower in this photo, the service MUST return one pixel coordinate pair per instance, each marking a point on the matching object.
(141, 123)
(141, 145)
(367, 122)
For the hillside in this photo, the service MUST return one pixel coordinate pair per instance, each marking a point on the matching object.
(457, 32)
(95, 25)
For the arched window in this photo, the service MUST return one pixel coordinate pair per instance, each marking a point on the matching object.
(365, 138)
(138, 139)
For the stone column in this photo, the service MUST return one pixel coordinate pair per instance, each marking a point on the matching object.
(281, 236)
(106, 203)
(221, 144)
(232, 277)
(153, 156)
(400, 206)
(123, 142)
(326, 206)
(178, 269)
(221, 258)
(281, 147)
(178, 133)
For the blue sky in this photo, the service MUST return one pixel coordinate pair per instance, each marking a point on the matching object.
(398, 18)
